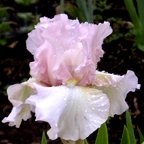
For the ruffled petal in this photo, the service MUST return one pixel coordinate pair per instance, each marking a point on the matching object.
(95, 35)
(17, 94)
(66, 49)
(73, 112)
(116, 88)
(18, 113)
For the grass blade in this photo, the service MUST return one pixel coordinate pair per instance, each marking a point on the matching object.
(62, 6)
(125, 136)
(44, 139)
(74, 12)
(130, 128)
(140, 7)
(102, 136)
(132, 12)
(90, 9)
(85, 141)
(141, 136)
(83, 7)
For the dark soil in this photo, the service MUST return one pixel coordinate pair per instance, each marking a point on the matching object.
(120, 55)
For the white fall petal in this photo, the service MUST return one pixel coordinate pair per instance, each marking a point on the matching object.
(73, 112)
(17, 94)
(117, 87)
(18, 113)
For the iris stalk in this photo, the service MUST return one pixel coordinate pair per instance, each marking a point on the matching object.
(72, 142)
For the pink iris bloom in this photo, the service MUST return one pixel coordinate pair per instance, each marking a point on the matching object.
(66, 90)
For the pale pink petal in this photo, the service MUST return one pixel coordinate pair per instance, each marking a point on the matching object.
(34, 41)
(66, 49)
(93, 36)
(42, 67)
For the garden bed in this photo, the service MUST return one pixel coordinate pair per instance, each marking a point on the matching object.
(120, 55)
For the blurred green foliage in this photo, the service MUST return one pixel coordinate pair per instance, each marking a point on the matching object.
(84, 10)
(26, 2)
(16, 20)
(94, 11)
(13, 22)
(136, 12)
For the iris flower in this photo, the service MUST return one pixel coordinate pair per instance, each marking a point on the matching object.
(65, 89)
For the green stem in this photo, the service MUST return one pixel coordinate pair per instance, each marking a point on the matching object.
(72, 142)
(62, 6)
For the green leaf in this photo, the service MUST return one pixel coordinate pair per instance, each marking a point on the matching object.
(3, 42)
(137, 17)
(3, 12)
(25, 15)
(86, 8)
(91, 10)
(74, 11)
(140, 7)
(5, 27)
(125, 136)
(83, 7)
(26, 2)
(85, 141)
(130, 128)
(62, 5)
(141, 136)
(132, 12)
(102, 136)
(44, 139)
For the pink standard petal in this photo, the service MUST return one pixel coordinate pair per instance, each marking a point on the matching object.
(65, 49)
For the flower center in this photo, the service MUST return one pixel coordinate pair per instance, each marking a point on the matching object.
(71, 82)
